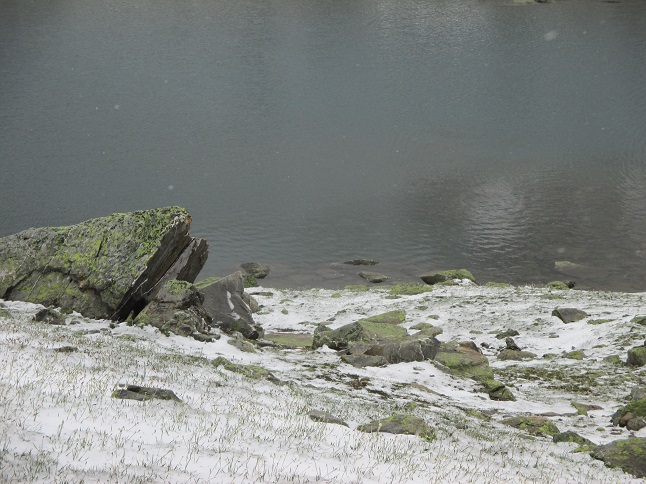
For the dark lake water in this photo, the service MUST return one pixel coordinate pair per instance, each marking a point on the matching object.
(425, 134)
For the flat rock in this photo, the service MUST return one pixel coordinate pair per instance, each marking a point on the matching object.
(569, 315)
(399, 424)
(104, 268)
(135, 392)
(325, 417)
(534, 425)
(361, 262)
(373, 277)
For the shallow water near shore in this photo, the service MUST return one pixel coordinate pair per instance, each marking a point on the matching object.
(428, 135)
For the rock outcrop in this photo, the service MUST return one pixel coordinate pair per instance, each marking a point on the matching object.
(224, 301)
(104, 268)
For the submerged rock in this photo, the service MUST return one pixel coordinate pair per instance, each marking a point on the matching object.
(104, 268)
(361, 262)
(257, 270)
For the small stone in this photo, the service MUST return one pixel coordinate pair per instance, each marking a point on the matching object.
(373, 277)
(135, 392)
(361, 262)
(49, 316)
(325, 417)
(511, 344)
(66, 349)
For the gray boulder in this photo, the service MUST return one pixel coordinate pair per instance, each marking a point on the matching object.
(177, 308)
(107, 267)
(569, 315)
(325, 417)
(225, 304)
(627, 454)
(142, 394)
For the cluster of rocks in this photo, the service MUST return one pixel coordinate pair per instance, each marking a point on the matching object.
(138, 266)
(381, 340)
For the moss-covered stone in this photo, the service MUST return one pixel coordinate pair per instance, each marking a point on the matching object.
(409, 289)
(400, 424)
(450, 275)
(297, 340)
(255, 372)
(518, 355)
(498, 284)
(498, 391)
(533, 425)
(627, 454)
(102, 268)
(639, 320)
(464, 362)
(557, 285)
(574, 355)
(637, 356)
(585, 445)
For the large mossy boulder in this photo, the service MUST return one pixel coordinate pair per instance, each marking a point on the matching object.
(627, 454)
(106, 267)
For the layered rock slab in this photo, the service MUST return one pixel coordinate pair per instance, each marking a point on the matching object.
(104, 268)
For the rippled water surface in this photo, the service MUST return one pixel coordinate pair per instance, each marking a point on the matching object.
(425, 134)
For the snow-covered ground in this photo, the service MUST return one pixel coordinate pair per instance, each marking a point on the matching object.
(59, 422)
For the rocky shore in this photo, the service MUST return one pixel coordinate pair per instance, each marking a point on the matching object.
(370, 383)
